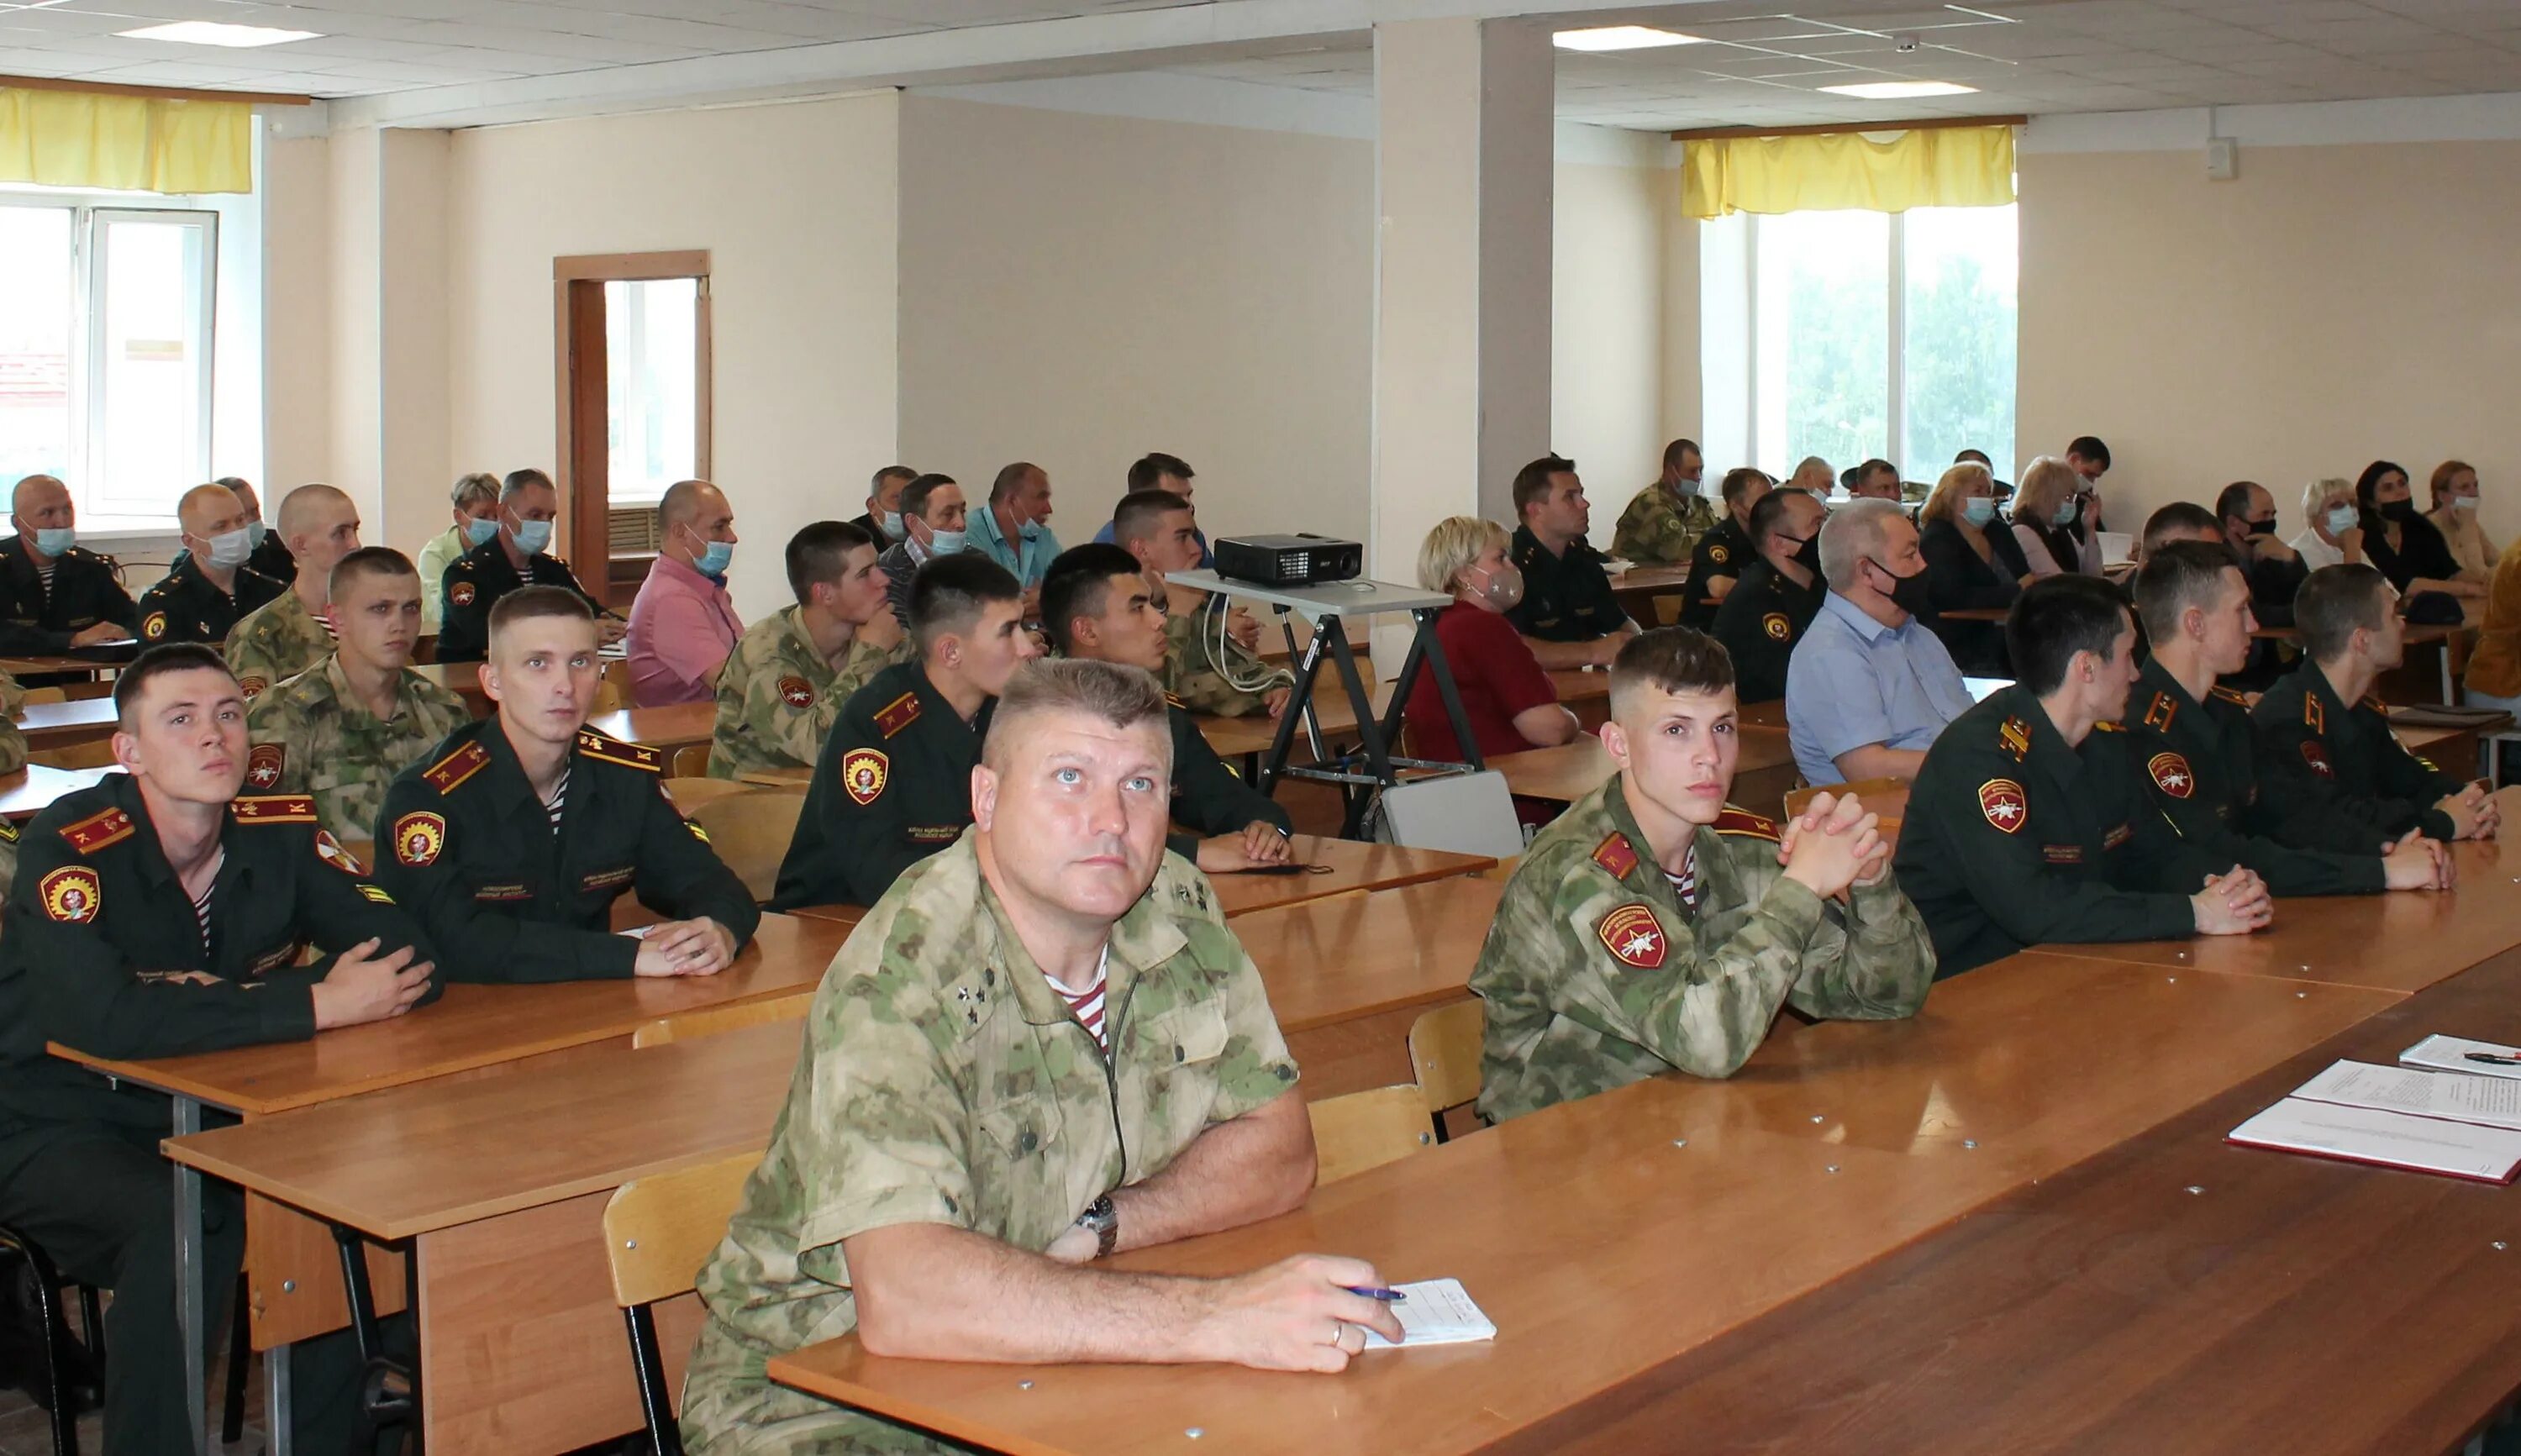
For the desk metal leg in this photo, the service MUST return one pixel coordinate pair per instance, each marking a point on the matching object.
(275, 1400)
(191, 1319)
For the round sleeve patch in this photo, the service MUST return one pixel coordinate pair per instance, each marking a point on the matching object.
(1633, 935)
(1776, 626)
(1718, 555)
(460, 594)
(71, 894)
(2317, 758)
(2003, 803)
(2171, 775)
(253, 685)
(263, 765)
(796, 692)
(153, 625)
(418, 838)
(863, 772)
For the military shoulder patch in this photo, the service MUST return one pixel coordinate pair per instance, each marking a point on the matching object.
(2117, 837)
(2004, 804)
(2109, 725)
(153, 626)
(2160, 711)
(418, 839)
(1735, 821)
(7, 833)
(899, 713)
(453, 769)
(1777, 625)
(460, 593)
(605, 750)
(1718, 555)
(1616, 854)
(1174, 701)
(274, 809)
(2374, 702)
(253, 684)
(369, 889)
(698, 833)
(263, 763)
(2315, 753)
(98, 830)
(796, 692)
(2171, 775)
(71, 894)
(2313, 717)
(329, 850)
(863, 772)
(2014, 738)
(1633, 936)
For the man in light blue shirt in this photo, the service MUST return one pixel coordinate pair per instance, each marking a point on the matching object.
(1010, 530)
(1868, 686)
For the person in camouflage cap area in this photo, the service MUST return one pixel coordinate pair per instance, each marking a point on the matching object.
(784, 685)
(1209, 660)
(1652, 927)
(341, 729)
(289, 634)
(1662, 524)
(1019, 1064)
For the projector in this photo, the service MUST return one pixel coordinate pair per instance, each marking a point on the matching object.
(1298, 559)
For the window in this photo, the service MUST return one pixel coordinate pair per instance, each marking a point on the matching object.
(652, 385)
(1858, 334)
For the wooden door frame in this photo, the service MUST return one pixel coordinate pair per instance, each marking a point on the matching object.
(579, 455)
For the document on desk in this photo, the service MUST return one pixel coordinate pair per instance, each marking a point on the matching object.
(1438, 1311)
(2386, 1139)
(2458, 1054)
(2489, 1102)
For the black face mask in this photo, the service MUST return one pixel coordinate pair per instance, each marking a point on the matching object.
(1807, 555)
(1908, 593)
(2263, 528)
(2400, 511)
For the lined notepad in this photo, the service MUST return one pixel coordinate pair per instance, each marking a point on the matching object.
(1438, 1311)
(2452, 1053)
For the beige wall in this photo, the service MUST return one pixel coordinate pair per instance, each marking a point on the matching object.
(2333, 304)
(297, 309)
(1607, 346)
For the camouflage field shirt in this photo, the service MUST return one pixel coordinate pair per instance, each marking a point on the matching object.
(1192, 666)
(778, 696)
(276, 641)
(313, 735)
(1661, 529)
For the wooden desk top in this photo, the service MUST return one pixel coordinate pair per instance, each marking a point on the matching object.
(780, 778)
(1602, 1249)
(1571, 770)
(31, 790)
(2419, 736)
(1359, 955)
(673, 726)
(1976, 614)
(111, 657)
(478, 1025)
(80, 721)
(1644, 578)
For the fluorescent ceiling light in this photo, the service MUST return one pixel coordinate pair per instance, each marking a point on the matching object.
(1900, 90)
(217, 33)
(1622, 38)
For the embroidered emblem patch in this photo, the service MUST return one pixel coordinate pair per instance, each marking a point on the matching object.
(1616, 855)
(70, 894)
(796, 692)
(1718, 555)
(2171, 775)
(2003, 803)
(418, 838)
(253, 686)
(263, 765)
(329, 850)
(2015, 737)
(153, 626)
(1776, 626)
(2062, 854)
(98, 830)
(1633, 935)
(863, 772)
(460, 594)
(2316, 757)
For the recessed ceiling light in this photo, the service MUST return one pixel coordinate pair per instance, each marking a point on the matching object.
(217, 33)
(1900, 90)
(1622, 38)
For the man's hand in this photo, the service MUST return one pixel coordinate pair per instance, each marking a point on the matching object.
(364, 987)
(2474, 813)
(2232, 903)
(685, 947)
(2270, 548)
(608, 630)
(1256, 844)
(1033, 601)
(1275, 699)
(1294, 1315)
(1243, 627)
(2415, 862)
(96, 632)
(1831, 843)
(1076, 1245)
(882, 632)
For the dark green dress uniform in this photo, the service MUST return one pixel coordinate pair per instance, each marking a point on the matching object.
(2341, 776)
(474, 584)
(466, 842)
(184, 606)
(893, 787)
(1566, 596)
(35, 621)
(1724, 550)
(104, 952)
(2014, 840)
(1208, 798)
(2200, 759)
(1760, 622)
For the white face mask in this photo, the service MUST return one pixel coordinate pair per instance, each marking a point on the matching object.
(2342, 518)
(229, 549)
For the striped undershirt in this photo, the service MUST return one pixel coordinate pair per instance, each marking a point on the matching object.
(559, 795)
(1088, 1004)
(201, 913)
(1685, 884)
(44, 573)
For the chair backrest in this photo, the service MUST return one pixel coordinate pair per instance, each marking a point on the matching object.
(612, 691)
(94, 753)
(1861, 788)
(691, 761)
(1465, 813)
(751, 833)
(1444, 1054)
(717, 1019)
(52, 694)
(658, 1231)
(689, 793)
(1367, 1129)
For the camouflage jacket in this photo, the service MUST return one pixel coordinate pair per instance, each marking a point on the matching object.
(1195, 673)
(1661, 529)
(279, 639)
(777, 697)
(1595, 976)
(945, 1081)
(313, 735)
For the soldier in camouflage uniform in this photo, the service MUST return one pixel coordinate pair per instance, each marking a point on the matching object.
(13, 757)
(1205, 666)
(286, 635)
(783, 686)
(1662, 525)
(1651, 928)
(977, 1110)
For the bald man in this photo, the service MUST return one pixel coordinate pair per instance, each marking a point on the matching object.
(55, 595)
(290, 633)
(271, 555)
(210, 585)
(682, 624)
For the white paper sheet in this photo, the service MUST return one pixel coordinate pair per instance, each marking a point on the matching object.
(2454, 1054)
(2489, 1102)
(2398, 1140)
(1438, 1311)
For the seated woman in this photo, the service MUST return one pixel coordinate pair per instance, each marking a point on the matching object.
(1971, 561)
(2494, 676)
(2455, 515)
(2334, 533)
(2044, 508)
(1506, 696)
(2401, 543)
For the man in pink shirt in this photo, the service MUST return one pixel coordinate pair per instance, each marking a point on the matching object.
(683, 625)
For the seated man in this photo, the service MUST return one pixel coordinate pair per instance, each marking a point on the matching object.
(271, 555)
(908, 1197)
(1013, 526)
(893, 783)
(2247, 519)
(289, 634)
(1768, 609)
(1724, 550)
(2179, 521)
(517, 555)
(1661, 524)
(153, 915)
(933, 514)
(1566, 617)
(1095, 604)
(1874, 479)
(1652, 927)
(1869, 685)
(2325, 748)
(341, 729)
(683, 621)
(210, 586)
(1209, 660)
(2031, 822)
(1162, 472)
(791, 673)
(881, 522)
(2199, 754)
(56, 595)
(512, 838)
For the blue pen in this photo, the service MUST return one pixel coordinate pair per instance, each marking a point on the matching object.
(1387, 1295)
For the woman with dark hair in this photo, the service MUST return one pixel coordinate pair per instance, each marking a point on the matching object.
(2400, 541)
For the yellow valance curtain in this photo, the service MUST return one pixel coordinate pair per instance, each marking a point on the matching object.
(127, 143)
(1960, 167)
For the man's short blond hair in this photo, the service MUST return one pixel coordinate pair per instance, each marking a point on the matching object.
(1454, 543)
(1111, 693)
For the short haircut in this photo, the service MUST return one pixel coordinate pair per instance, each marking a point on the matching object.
(1852, 532)
(914, 496)
(820, 552)
(1453, 544)
(2367, 486)
(948, 593)
(1974, 454)
(2443, 473)
(1871, 468)
(2316, 496)
(156, 662)
(1078, 584)
(365, 563)
(1136, 518)
(529, 603)
(1741, 478)
(875, 483)
(1944, 502)
(2232, 502)
(680, 503)
(2178, 576)
(520, 481)
(1532, 482)
(295, 506)
(1677, 450)
(2090, 446)
(234, 482)
(1669, 659)
(1111, 693)
(474, 489)
(1148, 471)
(2170, 522)
(2333, 601)
(2056, 618)
(1010, 478)
(1770, 513)
(1850, 477)
(2047, 485)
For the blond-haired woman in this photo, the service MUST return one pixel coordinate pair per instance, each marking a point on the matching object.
(476, 498)
(2333, 533)
(2045, 505)
(1972, 562)
(2455, 515)
(1505, 693)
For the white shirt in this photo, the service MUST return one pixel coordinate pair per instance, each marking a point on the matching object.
(2315, 553)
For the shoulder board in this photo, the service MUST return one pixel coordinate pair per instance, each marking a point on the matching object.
(2109, 725)
(2160, 711)
(596, 746)
(2015, 737)
(899, 713)
(98, 830)
(2230, 694)
(1616, 854)
(2313, 717)
(2374, 702)
(275, 808)
(453, 769)
(1735, 821)
(1173, 701)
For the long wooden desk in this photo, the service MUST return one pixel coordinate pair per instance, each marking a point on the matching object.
(31, 790)
(55, 726)
(109, 656)
(679, 725)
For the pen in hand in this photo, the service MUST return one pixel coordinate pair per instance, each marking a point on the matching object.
(1387, 1295)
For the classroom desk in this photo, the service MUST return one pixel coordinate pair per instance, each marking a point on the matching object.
(106, 657)
(667, 729)
(31, 790)
(2173, 1296)
(1584, 691)
(1638, 589)
(1761, 774)
(56, 725)
(1607, 1237)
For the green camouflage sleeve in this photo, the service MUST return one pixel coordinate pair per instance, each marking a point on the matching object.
(13, 748)
(1191, 671)
(1877, 969)
(1652, 530)
(12, 696)
(1255, 1069)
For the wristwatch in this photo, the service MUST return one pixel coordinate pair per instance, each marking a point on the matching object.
(1105, 1220)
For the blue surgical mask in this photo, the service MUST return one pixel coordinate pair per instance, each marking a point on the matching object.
(477, 530)
(2342, 518)
(533, 537)
(228, 550)
(1978, 510)
(713, 558)
(891, 521)
(54, 541)
(256, 531)
(1032, 531)
(945, 543)
(2066, 510)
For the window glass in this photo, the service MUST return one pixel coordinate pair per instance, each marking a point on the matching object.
(1958, 358)
(652, 385)
(1824, 351)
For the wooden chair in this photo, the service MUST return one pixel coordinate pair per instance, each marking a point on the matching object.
(613, 693)
(658, 1231)
(1444, 1055)
(691, 761)
(52, 694)
(1367, 1129)
(1860, 788)
(689, 793)
(717, 1019)
(751, 833)
(94, 753)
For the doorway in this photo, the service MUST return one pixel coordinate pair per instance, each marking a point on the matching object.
(634, 404)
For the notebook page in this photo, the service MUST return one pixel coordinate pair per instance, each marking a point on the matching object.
(2489, 1102)
(1438, 1311)
(2387, 1139)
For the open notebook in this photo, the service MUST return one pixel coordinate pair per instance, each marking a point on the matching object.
(1438, 1311)
(2395, 1116)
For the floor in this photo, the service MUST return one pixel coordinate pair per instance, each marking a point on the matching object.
(27, 1429)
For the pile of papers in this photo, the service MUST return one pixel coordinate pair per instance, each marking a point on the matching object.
(2451, 1106)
